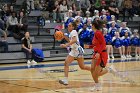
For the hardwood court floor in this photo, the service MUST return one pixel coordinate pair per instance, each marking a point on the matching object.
(17, 78)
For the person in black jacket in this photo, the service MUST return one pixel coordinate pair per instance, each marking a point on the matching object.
(27, 49)
(23, 22)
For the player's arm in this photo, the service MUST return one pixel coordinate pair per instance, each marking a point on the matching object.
(5, 35)
(74, 40)
(23, 46)
(66, 38)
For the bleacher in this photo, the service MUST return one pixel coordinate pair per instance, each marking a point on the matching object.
(44, 41)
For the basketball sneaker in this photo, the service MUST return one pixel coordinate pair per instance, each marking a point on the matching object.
(28, 64)
(63, 81)
(130, 56)
(97, 87)
(127, 56)
(112, 56)
(137, 56)
(124, 56)
(33, 62)
(112, 70)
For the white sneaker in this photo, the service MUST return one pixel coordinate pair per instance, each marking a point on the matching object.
(136, 15)
(33, 62)
(112, 56)
(130, 56)
(137, 56)
(112, 70)
(122, 57)
(28, 63)
(108, 57)
(64, 82)
(97, 87)
(127, 56)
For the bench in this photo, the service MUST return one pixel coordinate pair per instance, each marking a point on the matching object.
(136, 18)
(19, 2)
(13, 40)
(37, 13)
(17, 47)
(17, 57)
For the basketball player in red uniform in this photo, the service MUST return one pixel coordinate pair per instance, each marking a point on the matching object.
(100, 56)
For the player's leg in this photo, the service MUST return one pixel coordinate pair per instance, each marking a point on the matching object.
(111, 50)
(123, 51)
(68, 60)
(82, 65)
(103, 71)
(139, 51)
(95, 75)
(120, 51)
(108, 51)
(129, 51)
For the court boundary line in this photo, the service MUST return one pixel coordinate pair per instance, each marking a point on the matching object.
(58, 65)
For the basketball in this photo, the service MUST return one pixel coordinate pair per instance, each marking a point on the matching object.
(59, 35)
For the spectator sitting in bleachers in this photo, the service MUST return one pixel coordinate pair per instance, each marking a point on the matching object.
(74, 9)
(11, 9)
(112, 30)
(56, 12)
(70, 2)
(14, 27)
(87, 17)
(114, 2)
(136, 6)
(89, 25)
(127, 7)
(84, 6)
(3, 42)
(96, 14)
(27, 49)
(5, 13)
(37, 5)
(69, 19)
(105, 13)
(117, 43)
(63, 10)
(85, 35)
(23, 22)
(79, 23)
(104, 19)
(124, 29)
(40, 4)
(30, 4)
(114, 11)
(135, 43)
(127, 44)
(113, 20)
(79, 17)
(108, 39)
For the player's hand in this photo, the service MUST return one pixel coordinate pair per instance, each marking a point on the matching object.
(30, 50)
(97, 56)
(63, 45)
(86, 46)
